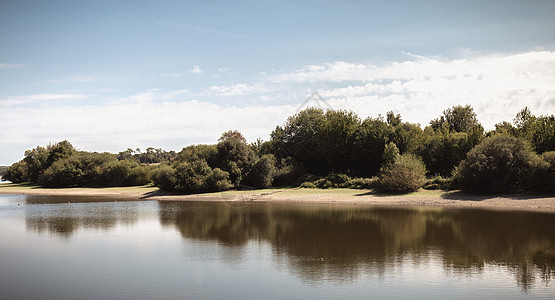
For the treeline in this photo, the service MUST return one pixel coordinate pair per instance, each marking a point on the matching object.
(334, 148)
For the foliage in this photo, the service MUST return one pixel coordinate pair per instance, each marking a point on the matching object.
(164, 177)
(443, 151)
(405, 175)
(339, 148)
(263, 171)
(197, 176)
(234, 156)
(457, 119)
(390, 155)
(17, 172)
(548, 178)
(3, 170)
(288, 172)
(150, 156)
(438, 183)
(335, 180)
(500, 163)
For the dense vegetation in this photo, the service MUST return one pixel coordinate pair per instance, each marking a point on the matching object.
(334, 148)
(3, 170)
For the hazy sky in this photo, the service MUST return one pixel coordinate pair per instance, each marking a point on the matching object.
(108, 75)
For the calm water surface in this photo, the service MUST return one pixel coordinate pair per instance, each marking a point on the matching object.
(100, 249)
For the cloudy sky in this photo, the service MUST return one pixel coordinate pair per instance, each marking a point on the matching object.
(108, 75)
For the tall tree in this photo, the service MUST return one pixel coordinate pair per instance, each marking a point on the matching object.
(458, 119)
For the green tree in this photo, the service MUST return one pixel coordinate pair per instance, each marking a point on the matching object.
(17, 173)
(390, 155)
(299, 139)
(543, 136)
(335, 139)
(369, 144)
(234, 156)
(458, 119)
(263, 171)
(164, 177)
(498, 164)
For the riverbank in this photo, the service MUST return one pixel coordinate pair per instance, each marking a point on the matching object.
(455, 199)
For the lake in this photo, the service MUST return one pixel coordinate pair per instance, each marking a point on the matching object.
(98, 248)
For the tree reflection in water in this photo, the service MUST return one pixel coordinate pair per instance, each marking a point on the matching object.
(341, 242)
(66, 214)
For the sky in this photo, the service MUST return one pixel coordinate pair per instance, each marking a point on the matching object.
(112, 75)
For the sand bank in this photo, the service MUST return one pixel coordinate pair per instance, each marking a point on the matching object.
(455, 199)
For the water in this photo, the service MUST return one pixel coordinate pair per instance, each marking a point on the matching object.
(94, 248)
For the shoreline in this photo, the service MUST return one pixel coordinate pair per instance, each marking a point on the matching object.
(422, 198)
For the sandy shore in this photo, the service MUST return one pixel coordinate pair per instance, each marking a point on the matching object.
(421, 198)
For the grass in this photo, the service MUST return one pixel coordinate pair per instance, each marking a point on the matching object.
(286, 191)
(6, 187)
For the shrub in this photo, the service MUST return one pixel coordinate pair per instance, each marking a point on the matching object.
(364, 183)
(138, 175)
(548, 181)
(405, 175)
(499, 164)
(16, 173)
(65, 172)
(438, 183)
(164, 177)
(308, 185)
(290, 173)
(217, 180)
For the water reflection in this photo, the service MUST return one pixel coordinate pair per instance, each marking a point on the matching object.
(67, 214)
(342, 242)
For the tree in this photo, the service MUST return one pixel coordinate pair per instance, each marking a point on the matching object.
(458, 119)
(232, 134)
(393, 119)
(263, 171)
(335, 139)
(369, 144)
(543, 137)
(443, 151)
(299, 139)
(17, 173)
(36, 161)
(234, 156)
(500, 163)
(390, 155)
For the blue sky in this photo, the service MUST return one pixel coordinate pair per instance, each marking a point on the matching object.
(108, 75)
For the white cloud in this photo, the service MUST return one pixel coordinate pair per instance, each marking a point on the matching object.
(153, 118)
(196, 69)
(237, 89)
(5, 65)
(497, 86)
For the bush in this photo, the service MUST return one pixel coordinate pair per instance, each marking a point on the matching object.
(290, 173)
(364, 183)
(438, 183)
(500, 164)
(191, 177)
(164, 177)
(16, 173)
(548, 181)
(405, 175)
(308, 185)
(217, 180)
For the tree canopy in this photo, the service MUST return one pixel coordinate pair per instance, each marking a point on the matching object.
(334, 148)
